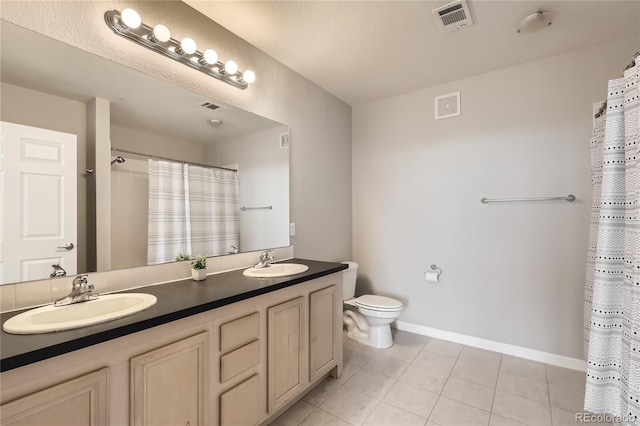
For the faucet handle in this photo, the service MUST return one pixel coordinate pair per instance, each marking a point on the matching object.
(80, 281)
(266, 255)
(58, 271)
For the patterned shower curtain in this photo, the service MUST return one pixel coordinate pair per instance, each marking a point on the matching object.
(612, 288)
(214, 208)
(192, 210)
(168, 231)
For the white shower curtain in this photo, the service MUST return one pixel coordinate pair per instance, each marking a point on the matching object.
(213, 204)
(612, 288)
(168, 230)
(192, 210)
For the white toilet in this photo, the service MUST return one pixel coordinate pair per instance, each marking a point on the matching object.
(370, 325)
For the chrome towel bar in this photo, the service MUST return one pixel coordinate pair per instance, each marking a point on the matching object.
(256, 208)
(570, 198)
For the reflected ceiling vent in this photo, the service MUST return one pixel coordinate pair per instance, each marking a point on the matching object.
(453, 16)
(210, 106)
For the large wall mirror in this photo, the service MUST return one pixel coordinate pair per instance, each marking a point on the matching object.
(187, 175)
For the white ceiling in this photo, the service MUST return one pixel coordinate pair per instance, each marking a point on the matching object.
(366, 50)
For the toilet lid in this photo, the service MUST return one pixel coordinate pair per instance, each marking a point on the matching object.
(378, 303)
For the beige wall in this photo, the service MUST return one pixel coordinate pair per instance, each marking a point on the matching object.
(32, 108)
(152, 143)
(129, 214)
(263, 171)
(513, 273)
(320, 123)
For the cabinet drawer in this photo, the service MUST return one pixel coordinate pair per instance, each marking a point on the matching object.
(239, 332)
(240, 405)
(239, 361)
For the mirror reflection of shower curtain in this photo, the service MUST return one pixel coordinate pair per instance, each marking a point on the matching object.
(214, 211)
(168, 234)
(192, 210)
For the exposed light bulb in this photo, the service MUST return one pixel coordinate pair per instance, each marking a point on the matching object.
(131, 18)
(210, 56)
(161, 33)
(249, 76)
(230, 67)
(188, 46)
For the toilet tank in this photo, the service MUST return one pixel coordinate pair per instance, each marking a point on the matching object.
(349, 280)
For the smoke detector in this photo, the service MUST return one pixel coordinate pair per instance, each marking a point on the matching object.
(453, 16)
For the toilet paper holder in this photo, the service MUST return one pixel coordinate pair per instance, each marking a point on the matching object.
(438, 270)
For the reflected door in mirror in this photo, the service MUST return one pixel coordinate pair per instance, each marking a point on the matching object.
(39, 190)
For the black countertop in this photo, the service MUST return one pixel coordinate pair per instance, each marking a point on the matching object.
(176, 300)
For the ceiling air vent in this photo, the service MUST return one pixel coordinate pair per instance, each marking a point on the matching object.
(210, 106)
(453, 16)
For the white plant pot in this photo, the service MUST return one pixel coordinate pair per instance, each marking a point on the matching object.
(198, 274)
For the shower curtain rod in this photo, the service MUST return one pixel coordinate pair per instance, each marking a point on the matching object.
(155, 157)
(603, 107)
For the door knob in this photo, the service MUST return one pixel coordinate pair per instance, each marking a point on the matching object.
(69, 246)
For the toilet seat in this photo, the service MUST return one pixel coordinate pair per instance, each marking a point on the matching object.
(372, 313)
(371, 302)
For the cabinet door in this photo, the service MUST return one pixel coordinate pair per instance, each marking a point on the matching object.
(285, 351)
(78, 402)
(322, 326)
(167, 384)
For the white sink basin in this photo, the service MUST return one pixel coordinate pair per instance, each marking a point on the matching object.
(56, 318)
(276, 270)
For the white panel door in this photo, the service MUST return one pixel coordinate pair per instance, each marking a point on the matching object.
(38, 180)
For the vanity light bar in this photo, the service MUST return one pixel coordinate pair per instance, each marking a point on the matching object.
(129, 25)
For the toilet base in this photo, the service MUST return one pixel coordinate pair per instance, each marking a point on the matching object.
(380, 337)
(377, 335)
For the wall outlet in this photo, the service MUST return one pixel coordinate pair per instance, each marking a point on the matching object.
(284, 140)
(292, 229)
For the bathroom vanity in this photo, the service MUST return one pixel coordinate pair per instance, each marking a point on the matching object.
(230, 350)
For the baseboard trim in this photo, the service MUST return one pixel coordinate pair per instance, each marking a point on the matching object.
(491, 345)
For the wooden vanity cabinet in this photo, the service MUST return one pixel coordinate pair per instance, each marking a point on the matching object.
(240, 404)
(81, 401)
(241, 364)
(168, 384)
(287, 351)
(325, 317)
(238, 379)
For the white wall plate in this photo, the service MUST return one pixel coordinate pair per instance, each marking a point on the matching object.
(447, 105)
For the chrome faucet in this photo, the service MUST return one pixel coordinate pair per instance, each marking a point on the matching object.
(234, 250)
(266, 257)
(58, 271)
(81, 291)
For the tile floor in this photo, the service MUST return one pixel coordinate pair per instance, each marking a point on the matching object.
(423, 381)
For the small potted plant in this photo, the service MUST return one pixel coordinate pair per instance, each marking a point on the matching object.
(199, 268)
(182, 257)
